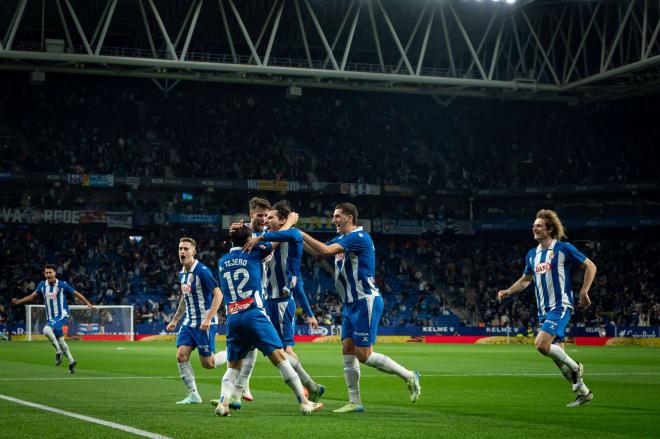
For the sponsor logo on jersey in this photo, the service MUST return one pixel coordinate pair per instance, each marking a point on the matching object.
(239, 306)
(543, 267)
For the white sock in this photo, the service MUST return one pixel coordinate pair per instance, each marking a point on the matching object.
(65, 348)
(352, 377)
(583, 389)
(307, 381)
(188, 376)
(566, 372)
(220, 358)
(228, 389)
(48, 332)
(292, 379)
(243, 382)
(557, 353)
(387, 365)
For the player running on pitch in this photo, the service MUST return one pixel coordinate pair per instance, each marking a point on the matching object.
(362, 304)
(54, 293)
(550, 266)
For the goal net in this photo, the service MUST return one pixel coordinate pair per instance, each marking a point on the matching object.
(105, 322)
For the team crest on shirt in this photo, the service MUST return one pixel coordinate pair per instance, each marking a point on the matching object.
(543, 267)
(551, 254)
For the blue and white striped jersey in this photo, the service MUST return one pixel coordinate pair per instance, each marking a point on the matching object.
(355, 269)
(197, 287)
(264, 263)
(240, 277)
(284, 265)
(54, 297)
(283, 268)
(552, 269)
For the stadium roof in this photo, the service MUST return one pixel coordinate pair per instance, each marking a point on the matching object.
(531, 49)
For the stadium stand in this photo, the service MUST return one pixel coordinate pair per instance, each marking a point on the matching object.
(433, 279)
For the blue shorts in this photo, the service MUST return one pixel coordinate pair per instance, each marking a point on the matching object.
(56, 326)
(204, 341)
(282, 314)
(555, 322)
(359, 320)
(250, 329)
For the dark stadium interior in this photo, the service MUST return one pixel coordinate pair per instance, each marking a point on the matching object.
(461, 167)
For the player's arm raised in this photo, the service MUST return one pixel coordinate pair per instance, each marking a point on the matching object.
(180, 310)
(291, 221)
(78, 295)
(517, 287)
(589, 276)
(28, 298)
(320, 249)
(215, 306)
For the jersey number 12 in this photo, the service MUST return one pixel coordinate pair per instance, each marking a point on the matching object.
(238, 292)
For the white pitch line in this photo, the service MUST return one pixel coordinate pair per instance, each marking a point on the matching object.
(114, 425)
(464, 375)
(131, 377)
(443, 375)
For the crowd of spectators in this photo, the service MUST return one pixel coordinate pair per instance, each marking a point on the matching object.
(127, 129)
(124, 128)
(423, 281)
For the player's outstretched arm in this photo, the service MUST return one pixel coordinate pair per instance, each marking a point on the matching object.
(215, 306)
(181, 309)
(517, 287)
(308, 248)
(589, 276)
(320, 249)
(78, 295)
(28, 298)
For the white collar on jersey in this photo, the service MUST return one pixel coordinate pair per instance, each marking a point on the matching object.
(540, 248)
(191, 268)
(357, 229)
(235, 248)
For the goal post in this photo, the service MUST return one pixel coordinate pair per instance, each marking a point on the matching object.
(104, 322)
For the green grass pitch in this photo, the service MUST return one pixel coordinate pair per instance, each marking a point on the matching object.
(467, 391)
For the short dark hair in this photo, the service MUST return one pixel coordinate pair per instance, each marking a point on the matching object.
(239, 236)
(348, 209)
(50, 266)
(258, 203)
(283, 208)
